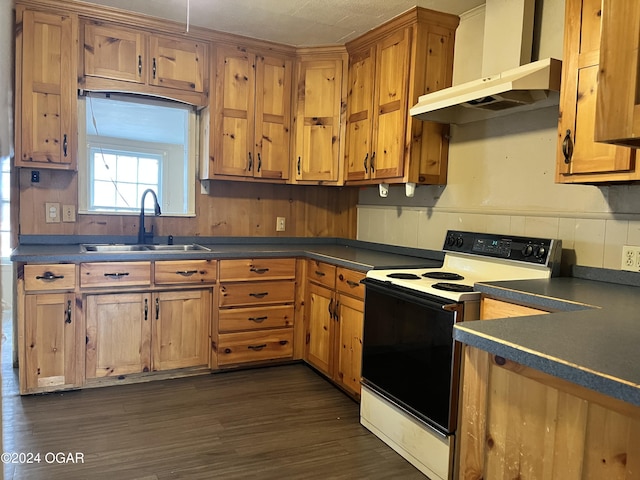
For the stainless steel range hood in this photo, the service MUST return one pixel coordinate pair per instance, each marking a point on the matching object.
(517, 86)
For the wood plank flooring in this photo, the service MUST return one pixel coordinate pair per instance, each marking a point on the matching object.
(283, 422)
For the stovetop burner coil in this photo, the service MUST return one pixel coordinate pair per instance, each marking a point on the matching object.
(443, 275)
(403, 276)
(453, 287)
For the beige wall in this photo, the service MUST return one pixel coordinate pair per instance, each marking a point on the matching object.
(501, 179)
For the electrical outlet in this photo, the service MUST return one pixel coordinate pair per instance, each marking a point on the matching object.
(631, 258)
(68, 213)
(52, 212)
(280, 224)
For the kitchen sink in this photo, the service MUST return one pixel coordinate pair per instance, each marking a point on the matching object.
(114, 248)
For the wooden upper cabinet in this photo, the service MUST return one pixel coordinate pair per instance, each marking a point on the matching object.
(618, 105)
(251, 118)
(46, 90)
(390, 67)
(319, 129)
(129, 60)
(580, 159)
(114, 53)
(178, 63)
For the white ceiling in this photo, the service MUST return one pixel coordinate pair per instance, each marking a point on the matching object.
(292, 22)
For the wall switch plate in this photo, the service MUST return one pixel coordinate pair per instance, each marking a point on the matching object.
(52, 212)
(68, 213)
(280, 224)
(631, 258)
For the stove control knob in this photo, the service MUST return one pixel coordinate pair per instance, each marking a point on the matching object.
(527, 250)
(542, 251)
(451, 240)
(459, 242)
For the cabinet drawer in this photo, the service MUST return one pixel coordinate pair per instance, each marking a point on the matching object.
(185, 271)
(237, 319)
(49, 277)
(321, 272)
(257, 269)
(255, 346)
(348, 281)
(115, 274)
(256, 293)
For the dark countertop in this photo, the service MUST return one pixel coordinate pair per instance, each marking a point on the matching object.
(352, 254)
(592, 338)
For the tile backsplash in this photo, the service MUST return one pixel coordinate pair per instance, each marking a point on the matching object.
(593, 242)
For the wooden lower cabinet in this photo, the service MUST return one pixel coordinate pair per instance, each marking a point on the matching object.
(256, 308)
(180, 329)
(51, 358)
(334, 323)
(518, 422)
(140, 332)
(118, 334)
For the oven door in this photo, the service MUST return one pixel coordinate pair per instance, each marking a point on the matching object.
(409, 356)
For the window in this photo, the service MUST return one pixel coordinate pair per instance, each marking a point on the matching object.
(5, 227)
(131, 144)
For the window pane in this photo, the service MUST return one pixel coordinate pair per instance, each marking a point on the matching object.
(6, 217)
(5, 239)
(104, 194)
(127, 197)
(127, 169)
(104, 166)
(148, 171)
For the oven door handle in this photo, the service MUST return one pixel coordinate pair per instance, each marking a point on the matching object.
(411, 296)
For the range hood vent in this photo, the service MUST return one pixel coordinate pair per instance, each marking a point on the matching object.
(532, 86)
(509, 84)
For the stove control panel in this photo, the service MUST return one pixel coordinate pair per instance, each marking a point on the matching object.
(541, 251)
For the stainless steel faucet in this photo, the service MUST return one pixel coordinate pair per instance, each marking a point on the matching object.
(144, 236)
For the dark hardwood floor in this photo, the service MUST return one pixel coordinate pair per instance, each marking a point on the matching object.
(283, 422)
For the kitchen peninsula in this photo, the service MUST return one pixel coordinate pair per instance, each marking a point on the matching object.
(555, 389)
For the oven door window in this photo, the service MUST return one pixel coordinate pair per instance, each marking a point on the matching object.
(408, 353)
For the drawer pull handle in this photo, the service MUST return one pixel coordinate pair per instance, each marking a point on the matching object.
(257, 319)
(259, 295)
(186, 273)
(257, 348)
(155, 68)
(68, 314)
(49, 276)
(116, 275)
(258, 270)
(320, 274)
(146, 309)
(283, 342)
(157, 308)
(352, 284)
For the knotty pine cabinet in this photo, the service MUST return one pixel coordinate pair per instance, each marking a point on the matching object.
(389, 68)
(117, 58)
(580, 158)
(250, 117)
(50, 334)
(334, 320)
(618, 103)
(45, 111)
(321, 75)
(255, 315)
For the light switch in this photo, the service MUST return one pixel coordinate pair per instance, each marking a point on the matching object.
(52, 212)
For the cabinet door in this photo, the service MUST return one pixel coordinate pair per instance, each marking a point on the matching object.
(233, 116)
(580, 158)
(318, 120)
(618, 109)
(349, 346)
(114, 53)
(272, 117)
(47, 130)
(180, 332)
(52, 338)
(118, 334)
(360, 115)
(390, 106)
(178, 63)
(320, 330)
